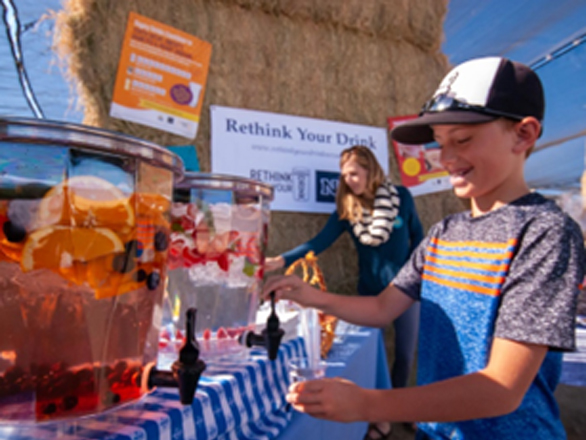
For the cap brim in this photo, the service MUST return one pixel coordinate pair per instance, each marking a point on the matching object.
(418, 131)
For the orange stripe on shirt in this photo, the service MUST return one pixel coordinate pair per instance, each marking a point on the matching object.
(463, 286)
(470, 254)
(502, 266)
(475, 244)
(465, 275)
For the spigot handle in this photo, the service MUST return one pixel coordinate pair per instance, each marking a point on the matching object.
(190, 316)
(186, 371)
(273, 334)
(273, 341)
(188, 368)
(273, 320)
(270, 337)
(189, 353)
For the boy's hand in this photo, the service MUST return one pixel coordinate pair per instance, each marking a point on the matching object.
(289, 287)
(333, 399)
(274, 263)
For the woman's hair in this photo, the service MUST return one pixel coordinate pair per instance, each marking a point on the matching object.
(349, 204)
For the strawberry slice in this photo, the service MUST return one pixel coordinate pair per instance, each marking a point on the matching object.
(187, 224)
(224, 261)
(233, 332)
(191, 257)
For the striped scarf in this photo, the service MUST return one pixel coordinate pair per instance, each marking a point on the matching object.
(376, 228)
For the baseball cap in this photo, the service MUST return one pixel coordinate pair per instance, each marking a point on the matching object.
(477, 91)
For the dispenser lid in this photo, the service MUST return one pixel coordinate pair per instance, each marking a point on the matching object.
(92, 138)
(226, 182)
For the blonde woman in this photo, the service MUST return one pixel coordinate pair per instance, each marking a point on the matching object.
(384, 226)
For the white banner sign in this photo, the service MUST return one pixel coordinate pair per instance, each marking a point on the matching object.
(299, 156)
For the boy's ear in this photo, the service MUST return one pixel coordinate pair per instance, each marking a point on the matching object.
(528, 131)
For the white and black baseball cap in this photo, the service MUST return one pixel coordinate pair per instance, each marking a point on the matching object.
(477, 91)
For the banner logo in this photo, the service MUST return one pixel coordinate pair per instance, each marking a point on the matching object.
(301, 184)
(326, 186)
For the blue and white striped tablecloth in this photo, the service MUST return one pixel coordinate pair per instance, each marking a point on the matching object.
(238, 400)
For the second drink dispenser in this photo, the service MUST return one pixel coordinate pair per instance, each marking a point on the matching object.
(219, 227)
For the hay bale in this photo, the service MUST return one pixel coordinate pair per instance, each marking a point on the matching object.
(418, 22)
(356, 61)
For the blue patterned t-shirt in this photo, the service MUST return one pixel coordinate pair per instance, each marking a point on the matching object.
(512, 273)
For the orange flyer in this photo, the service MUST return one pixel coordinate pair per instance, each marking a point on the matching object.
(161, 77)
(420, 167)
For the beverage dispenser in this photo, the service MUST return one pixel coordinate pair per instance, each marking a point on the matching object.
(84, 238)
(219, 228)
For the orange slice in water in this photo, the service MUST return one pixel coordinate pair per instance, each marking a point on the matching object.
(54, 247)
(86, 201)
(107, 282)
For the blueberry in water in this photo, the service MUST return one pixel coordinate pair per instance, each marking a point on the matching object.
(140, 275)
(50, 409)
(13, 232)
(161, 241)
(122, 263)
(70, 402)
(134, 248)
(153, 280)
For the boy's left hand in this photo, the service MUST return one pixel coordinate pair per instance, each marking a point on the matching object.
(333, 399)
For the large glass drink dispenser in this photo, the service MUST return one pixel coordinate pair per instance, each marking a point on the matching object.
(84, 236)
(219, 228)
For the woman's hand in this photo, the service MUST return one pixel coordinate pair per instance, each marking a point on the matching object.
(332, 399)
(274, 263)
(290, 287)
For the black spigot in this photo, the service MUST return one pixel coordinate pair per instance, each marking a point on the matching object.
(270, 337)
(186, 371)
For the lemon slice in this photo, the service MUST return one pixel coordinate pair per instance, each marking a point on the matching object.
(59, 246)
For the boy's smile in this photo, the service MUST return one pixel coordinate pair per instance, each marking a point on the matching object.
(484, 161)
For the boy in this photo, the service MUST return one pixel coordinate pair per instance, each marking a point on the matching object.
(498, 285)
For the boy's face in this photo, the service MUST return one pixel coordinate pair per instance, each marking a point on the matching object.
(483, 159)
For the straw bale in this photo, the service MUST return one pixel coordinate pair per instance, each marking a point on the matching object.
(418, 22)
(356, 61)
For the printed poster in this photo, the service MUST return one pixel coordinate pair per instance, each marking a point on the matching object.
(419, 165)
(299, 157)
(161, 77)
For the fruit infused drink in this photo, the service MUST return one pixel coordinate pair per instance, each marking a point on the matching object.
(218, 238)
(84, 237)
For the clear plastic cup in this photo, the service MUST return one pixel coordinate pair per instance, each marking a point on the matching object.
(300, 370)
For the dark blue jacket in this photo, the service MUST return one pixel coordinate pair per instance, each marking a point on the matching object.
(377, 265)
